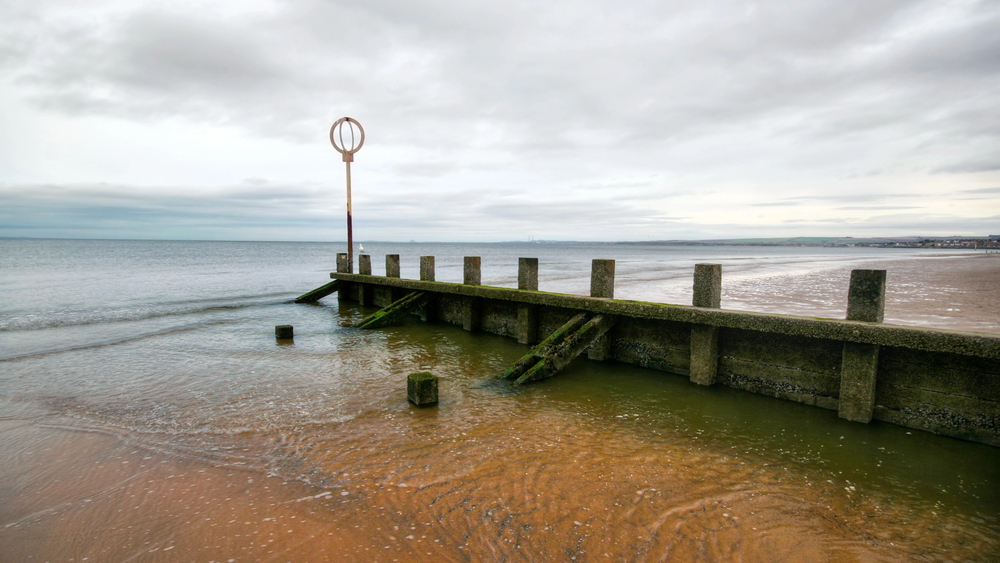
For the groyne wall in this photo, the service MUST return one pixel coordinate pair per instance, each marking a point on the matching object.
(945, 382)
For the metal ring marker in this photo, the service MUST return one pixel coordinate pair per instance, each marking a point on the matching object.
(357, 140)
(347, 150)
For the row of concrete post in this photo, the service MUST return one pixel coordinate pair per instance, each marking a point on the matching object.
(866, 302)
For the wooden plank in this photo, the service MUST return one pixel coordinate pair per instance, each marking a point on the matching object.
(546, 346)
(318, 293)
(566, 351)
(394, 312)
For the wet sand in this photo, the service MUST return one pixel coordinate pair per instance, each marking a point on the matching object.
(946, 291)
(571, 483)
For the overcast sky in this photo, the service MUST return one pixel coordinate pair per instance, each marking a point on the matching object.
(493, 121)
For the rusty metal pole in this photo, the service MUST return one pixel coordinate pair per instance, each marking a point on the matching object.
(350, 227)
(347, 150)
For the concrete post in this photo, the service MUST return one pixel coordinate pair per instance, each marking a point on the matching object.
(527, 274)
(472, 274)
(866, 296)
(707, 285)
(602, 278)
(602, 284)
(427, 274)
(422, 389)
(858, 373)
(527, 315)
(426, 268)
(527, 323)
(471, 305)
(859, 363)
(392, 265)
(366, 292)
(283, 332)
(343, 267)
(704, 365)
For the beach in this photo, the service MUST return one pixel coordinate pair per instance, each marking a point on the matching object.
(160, 421)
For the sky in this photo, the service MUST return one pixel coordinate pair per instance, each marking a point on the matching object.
(499, 121)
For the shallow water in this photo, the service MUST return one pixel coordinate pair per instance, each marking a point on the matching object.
(147, 413)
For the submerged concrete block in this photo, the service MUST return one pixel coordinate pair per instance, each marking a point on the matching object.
(392, 265)
(602, 278)
(527, 274)
(472, 274)
(426, 268)
(422, 388)
(866, 296)
(283, 332)
(707, 285)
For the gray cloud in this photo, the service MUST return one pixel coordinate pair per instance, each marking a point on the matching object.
(608, 113)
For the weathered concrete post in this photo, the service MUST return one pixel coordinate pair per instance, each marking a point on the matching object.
(602, 284)
(866, 296)
(392, 265)
(527, 315)
(422, 389)
(343, 267)
(472, 274)
(387, 295)
(704, 338)
(366, 293)
(527, 274)
(426, 268)
(471, 305)
(602, 278)
(859, 366)
(283, 332)
(427, 274)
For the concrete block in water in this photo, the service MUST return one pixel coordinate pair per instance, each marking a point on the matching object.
(343, 267)
(365, 264)
(527, 274)
(866, 296)
(858, 372)
(283, 332)
(422, 388)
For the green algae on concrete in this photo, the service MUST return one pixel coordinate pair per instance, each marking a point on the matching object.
(422, 388)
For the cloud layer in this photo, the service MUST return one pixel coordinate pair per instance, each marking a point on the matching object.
(490, 121)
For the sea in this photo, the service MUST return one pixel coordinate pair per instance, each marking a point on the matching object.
(147, 413)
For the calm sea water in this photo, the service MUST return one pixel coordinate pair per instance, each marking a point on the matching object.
(169, 347)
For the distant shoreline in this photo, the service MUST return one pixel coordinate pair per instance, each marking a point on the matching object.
(990, 242)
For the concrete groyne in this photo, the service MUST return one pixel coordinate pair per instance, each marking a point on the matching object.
(946, 382)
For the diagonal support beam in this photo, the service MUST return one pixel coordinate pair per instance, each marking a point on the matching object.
(565, 352)
(545, 347)
(395, 311)
(318, 293)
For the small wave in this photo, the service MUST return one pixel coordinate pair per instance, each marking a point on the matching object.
(113, 341)
(60, 319)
